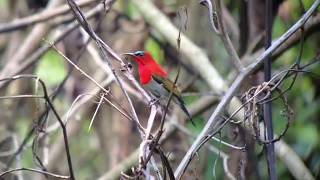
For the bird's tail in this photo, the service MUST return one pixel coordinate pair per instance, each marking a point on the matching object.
(184, 109)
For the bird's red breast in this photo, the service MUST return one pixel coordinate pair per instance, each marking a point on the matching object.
(147, 67)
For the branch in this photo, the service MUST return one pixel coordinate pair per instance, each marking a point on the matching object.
(36, 171)
(310, 27)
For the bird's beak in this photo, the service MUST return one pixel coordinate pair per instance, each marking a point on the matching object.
(130, 54)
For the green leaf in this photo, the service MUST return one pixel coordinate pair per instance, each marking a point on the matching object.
(51, 68)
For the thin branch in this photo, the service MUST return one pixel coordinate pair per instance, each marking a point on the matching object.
(96, 111)
(226, 39)
(21, 96)
(212, 15)
(75, 106)
(36, 171)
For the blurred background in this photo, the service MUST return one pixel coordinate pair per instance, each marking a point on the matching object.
(31, 137)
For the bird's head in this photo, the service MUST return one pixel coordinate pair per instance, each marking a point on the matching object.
(141, 57)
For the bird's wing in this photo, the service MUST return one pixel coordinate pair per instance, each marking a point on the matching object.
(168, 85)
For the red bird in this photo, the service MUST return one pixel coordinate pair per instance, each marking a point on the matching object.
(155, 80)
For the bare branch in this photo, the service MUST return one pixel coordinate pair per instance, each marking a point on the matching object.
(36, 171)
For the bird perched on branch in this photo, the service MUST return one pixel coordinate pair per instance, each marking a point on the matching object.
(154, 79)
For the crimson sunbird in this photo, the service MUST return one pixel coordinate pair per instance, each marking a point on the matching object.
(154, 79)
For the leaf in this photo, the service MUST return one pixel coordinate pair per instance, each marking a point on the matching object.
(51, 68)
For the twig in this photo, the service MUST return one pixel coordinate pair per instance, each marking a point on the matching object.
(21, 96)
(151, 118)
(212, 15)
(75, 106)
(36, 171)
(96, 111)
(78, 68)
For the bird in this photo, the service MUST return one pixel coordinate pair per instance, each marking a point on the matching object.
(155, 80)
